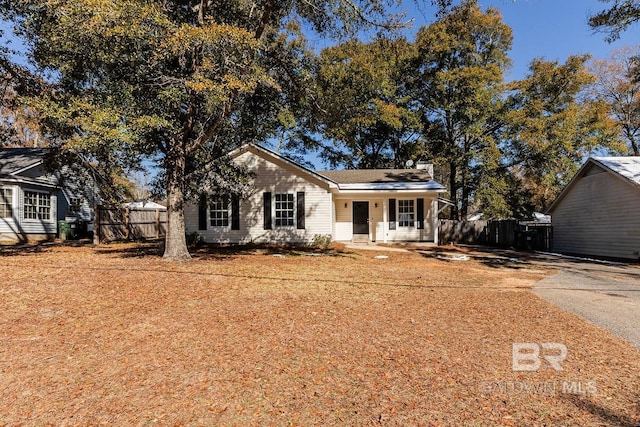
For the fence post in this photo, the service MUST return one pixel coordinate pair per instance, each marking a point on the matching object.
(126, 224)
(157, 223)
(96, 225)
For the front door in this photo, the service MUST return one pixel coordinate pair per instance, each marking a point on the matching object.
(361, 218)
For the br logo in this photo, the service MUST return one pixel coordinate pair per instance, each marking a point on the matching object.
(527, 355)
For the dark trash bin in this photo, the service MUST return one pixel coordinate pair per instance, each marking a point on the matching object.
(66, 230)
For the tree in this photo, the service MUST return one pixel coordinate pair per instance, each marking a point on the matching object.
(364, 108)
(616, 19)
(551, 127)
(173, 78)
(616, 86)
(459, 67)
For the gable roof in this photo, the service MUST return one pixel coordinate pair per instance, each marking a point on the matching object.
(356, 179)
(626, 168)
(16, 160)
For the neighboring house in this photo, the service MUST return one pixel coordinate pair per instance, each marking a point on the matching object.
(32, 201)
(292, 204)
(598, 213)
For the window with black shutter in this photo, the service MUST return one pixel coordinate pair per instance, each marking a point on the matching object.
(392, 214)
(266, 197)
(300, 212)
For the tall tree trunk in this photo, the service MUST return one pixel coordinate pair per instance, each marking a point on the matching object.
(453, 190)
(464, 205)
(175, 242)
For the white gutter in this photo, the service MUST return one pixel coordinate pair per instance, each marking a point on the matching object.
(384, 186)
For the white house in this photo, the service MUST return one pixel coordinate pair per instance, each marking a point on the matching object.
(32, 200)
(597, 214)
(292, 204)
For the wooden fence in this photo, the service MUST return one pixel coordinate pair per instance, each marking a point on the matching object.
(502, 233)
(129, 224)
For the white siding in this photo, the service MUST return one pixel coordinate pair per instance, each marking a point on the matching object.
(344, 225)
(598, 216)
(19, 228)
(278, 177)
(344, 214)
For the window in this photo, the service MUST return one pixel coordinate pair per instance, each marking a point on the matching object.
(37, 205)
(406, 213)
(6, 197)
(219, 213)
(285, 213)
(75, 204)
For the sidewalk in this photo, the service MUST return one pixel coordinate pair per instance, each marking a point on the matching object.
(390, 247)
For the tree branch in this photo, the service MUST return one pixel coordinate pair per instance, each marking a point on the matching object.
(265, 19)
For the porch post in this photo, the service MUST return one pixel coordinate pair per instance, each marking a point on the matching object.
(385, 221)
(434, 212)
(332, 216)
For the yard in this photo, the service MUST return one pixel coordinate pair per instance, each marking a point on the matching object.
(114, 335)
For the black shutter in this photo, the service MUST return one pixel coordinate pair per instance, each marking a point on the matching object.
(267, 210)
(420, 214)
(202, 213)
(235, 213)
(392, 214)
(300, 210)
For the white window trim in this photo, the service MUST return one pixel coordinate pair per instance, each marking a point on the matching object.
(414, 212)
(274, 219)
(52, 204)
(12, 202)
(219, 227)
(79, 199)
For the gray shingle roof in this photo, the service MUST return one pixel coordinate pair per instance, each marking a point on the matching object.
(16, 159)
(383, 180)
(376, 176)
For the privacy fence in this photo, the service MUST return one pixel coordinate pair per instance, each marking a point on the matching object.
(129, 224)
(523, 235)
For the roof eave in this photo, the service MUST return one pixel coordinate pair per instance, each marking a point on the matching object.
(394, 186)
(20, 180)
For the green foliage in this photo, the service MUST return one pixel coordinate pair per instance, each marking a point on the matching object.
(193, 239)
(551, 128)
(364, 108)
(616, 19)
(457, 80)
(321, 241)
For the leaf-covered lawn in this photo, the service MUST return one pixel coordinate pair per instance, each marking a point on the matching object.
(115, 335)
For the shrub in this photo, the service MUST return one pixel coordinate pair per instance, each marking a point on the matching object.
(321, 241)
(194, 238)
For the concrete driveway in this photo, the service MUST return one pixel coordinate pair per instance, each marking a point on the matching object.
(605, 294)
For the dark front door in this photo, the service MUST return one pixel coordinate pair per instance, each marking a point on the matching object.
(361, 218)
